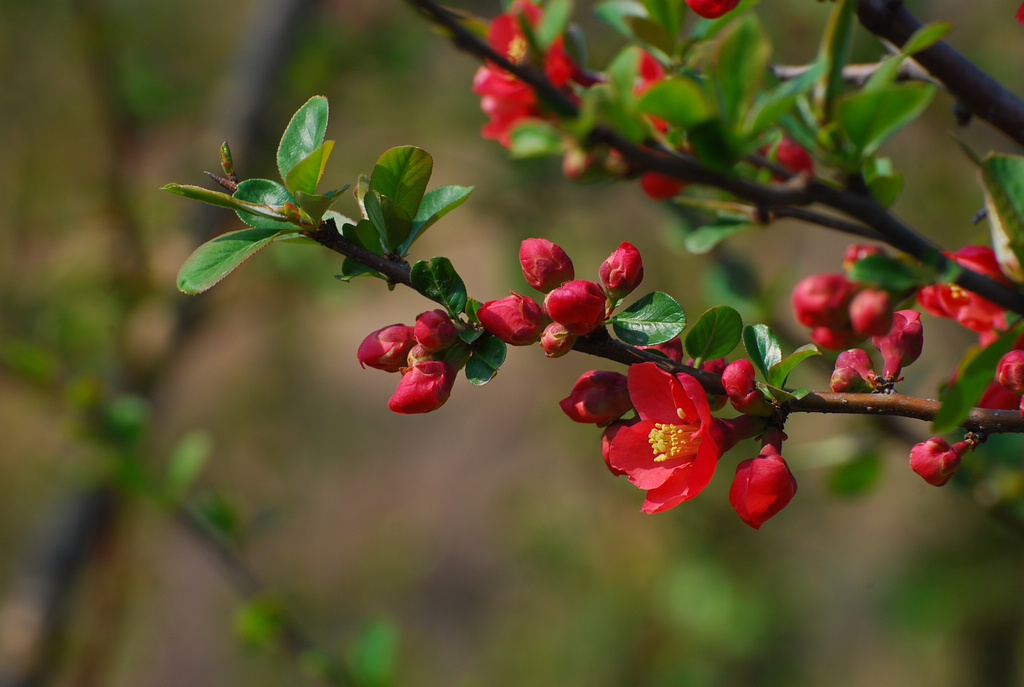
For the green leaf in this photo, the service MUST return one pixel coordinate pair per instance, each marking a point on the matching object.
(702, 239)
(741, 63)
(258, 622)
(633, 21)
(770, 105)
(556, 18)
(922, 39)
(762, 348)
(535, 138)
(304, 134)
(885, 273)
(973, 375)
(263, 192)
(305, 174)
(488, 355)
(402, 174)
(436, 204)
(667, 13)
(438, 281)
(884, 183)
(833, 53)
(317, 206)
(187, 461)
(868, 119)
(216, 259)
(680, 101)
(373, 655)
(779, 372)
(713, 144)
(715, 334)
(223, 200)
(1002, 179)
(392, 222)
(653, 319)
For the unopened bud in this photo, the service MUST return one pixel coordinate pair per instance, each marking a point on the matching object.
(1010, 371)
(556, 340)
(936, 461)
(853, 372)
(579, 305)
(871, 312)
(822, 300)
(739, 383)
(545, 265)
(387, 348)
(598, 397)
(424, 387)
(435, 330)
(515, 319)
(622, 271)
(902, 345)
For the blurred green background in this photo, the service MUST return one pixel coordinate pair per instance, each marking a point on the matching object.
(487, 535)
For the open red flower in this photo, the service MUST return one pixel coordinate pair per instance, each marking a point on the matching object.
(672, 451)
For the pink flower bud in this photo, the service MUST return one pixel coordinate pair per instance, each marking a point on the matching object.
(424, 387)
(1010, 371)
(660, 186)
(622, 271)
(579, 305)
(545, 265)
(822, 300)
(515, 319)
(793, 156)
(936, 461)
(853, 372)
(738, 380)
(762, 487)
(435, 330)
(387, 348)
(859, 251)
(418, 353)
(902, 345)
(871, 312)
(712, 9)
(598, 397)
(556, 340)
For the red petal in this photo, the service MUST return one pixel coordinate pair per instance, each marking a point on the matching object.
(670, 494)
(631, 453)
(651, 390)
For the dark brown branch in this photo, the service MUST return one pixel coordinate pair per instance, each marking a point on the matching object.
(974, 90)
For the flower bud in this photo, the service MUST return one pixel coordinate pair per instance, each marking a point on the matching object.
(417, 354)
(424, 387)
(556, 340)
(871, 312)
(738, 380)
(622, 271)
(1010, 371)
(435, 330)
(387, 348)
(936, 461)
(579, 305)
(660, 186)
(712, 9)
(762, 487)
(545, 265)
(598, 397)
(515, 319)
(902, 345)
(822, 300)
(792, 155)
(853, 372)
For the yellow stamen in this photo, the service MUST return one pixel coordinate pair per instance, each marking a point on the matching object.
(517, 50)
(672, 441)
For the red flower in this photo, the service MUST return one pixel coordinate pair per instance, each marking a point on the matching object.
(967, 308)
(622, 271)
(672, 452)
(1020, 15)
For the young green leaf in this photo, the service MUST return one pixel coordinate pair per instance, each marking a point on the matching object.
(263, 192)
(317, 206)
(304, 134)
(216, 259)
(438, 281)
(885, 273)
(653, 319)
(762, 348)
(770, 105)
(714, 334)
(488, 355)
(306, 173)
(779, 372)
(868, 119)
(632, 20)
(680, 101)
(187, 461)
(833, 53)
(1002, 179)
(554, 22)
(667, 13)
(702, 239)
(373, 655)
(223, 200)
(740, 66)
(389, 218)
(436, 203)
(402, 174)
(535, 138)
